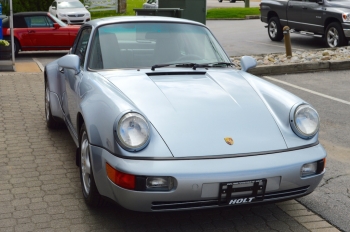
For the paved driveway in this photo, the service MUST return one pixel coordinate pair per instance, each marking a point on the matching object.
(40, 187)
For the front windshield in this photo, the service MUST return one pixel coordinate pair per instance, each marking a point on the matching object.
(62, 24)
(68, 5)
(139, 45)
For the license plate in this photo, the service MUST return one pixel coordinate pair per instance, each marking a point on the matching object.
(242, 192)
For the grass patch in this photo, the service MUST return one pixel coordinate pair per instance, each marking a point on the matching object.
(215, 13)
(230, 13)
(131, 5)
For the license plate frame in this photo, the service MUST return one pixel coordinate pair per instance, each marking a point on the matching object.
(242, 192)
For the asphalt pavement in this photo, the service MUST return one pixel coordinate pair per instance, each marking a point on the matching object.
(329, 93)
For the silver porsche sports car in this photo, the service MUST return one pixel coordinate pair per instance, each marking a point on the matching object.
(162, 120)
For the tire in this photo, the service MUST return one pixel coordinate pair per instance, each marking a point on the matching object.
(334, 35)
(16, 46)
(232, 1)
(274, 29)
(51, 122)
(90, 192)
(220, 0)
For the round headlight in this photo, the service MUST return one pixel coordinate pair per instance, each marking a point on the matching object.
(305, 121)
(133, 132)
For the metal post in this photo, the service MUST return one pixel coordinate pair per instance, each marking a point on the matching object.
(246, 3)
(287, 42)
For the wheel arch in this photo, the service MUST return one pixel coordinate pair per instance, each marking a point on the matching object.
(272, 14)
(329, 21)
(80, 122)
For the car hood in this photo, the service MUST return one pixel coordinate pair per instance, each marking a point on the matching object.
(339, 4)
(195, 111)
(73, 11)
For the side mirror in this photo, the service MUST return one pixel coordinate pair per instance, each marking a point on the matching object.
(86, 6)
(70, 61)
(56, 25)
(248, 62)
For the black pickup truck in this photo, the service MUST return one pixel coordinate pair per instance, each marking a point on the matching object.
(329, 19)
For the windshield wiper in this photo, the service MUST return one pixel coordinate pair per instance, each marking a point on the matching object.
(211, 65)
(176, 65)
(193, 65)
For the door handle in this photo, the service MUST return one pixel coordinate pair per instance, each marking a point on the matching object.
(304, 8)
(290, 6)
(31, 32)
(61, 69)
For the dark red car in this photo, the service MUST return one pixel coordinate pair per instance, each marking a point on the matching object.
(39, 31)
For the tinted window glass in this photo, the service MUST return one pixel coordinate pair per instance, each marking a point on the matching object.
(38, 21)
(137, 45)
(82, 45)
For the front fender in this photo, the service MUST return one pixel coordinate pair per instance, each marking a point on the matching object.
(101, 104)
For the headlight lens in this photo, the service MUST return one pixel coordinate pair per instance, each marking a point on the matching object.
(62, 15)
(305, 121)
(133, 132)
(346, 17)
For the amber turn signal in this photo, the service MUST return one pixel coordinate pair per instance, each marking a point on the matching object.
(121, 179)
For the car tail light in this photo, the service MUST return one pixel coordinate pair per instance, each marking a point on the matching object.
(121, 179)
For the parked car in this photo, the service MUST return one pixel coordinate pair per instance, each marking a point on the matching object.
(232, 1)
(162, 120)
(326, 19)
(39, 31)
(70, 11)
(150, 4)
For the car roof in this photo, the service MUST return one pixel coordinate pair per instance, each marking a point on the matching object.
(30, 13)
(128, 19)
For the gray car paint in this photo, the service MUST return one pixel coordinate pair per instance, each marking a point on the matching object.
(306, 16)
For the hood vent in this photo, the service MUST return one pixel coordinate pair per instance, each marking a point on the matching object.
(175, 73)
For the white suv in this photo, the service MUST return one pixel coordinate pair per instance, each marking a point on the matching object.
(70, 11)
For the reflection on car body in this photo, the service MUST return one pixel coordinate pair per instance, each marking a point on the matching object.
(163, 121)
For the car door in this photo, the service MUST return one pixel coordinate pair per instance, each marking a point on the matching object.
(312, 16)
(43, 34)
(71, 98)
(294, 14)
(53, 8)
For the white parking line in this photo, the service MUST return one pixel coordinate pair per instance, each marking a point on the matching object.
(39, 64)
(308, 90)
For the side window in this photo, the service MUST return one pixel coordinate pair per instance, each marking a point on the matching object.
(36, 21)
(81, 46)
(49, 21)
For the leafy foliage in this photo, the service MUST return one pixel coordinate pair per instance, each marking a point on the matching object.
(25, 5)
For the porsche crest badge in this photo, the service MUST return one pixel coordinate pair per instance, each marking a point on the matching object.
(229, 140)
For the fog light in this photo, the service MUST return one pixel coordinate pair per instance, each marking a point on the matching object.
(159, 183)
(308, 169)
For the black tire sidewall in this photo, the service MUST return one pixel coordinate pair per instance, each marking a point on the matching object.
(279, 34)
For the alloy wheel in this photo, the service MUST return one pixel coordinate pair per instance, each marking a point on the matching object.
(273, 29)
(85, 163)
(332, 37)
(47, 103)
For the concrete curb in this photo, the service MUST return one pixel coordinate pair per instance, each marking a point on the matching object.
(300, 68)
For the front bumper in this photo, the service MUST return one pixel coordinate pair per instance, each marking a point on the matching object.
(74, 20)
(346, 29)
(197, 181)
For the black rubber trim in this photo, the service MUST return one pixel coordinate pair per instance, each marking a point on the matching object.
(174, 73)
(213, 157)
